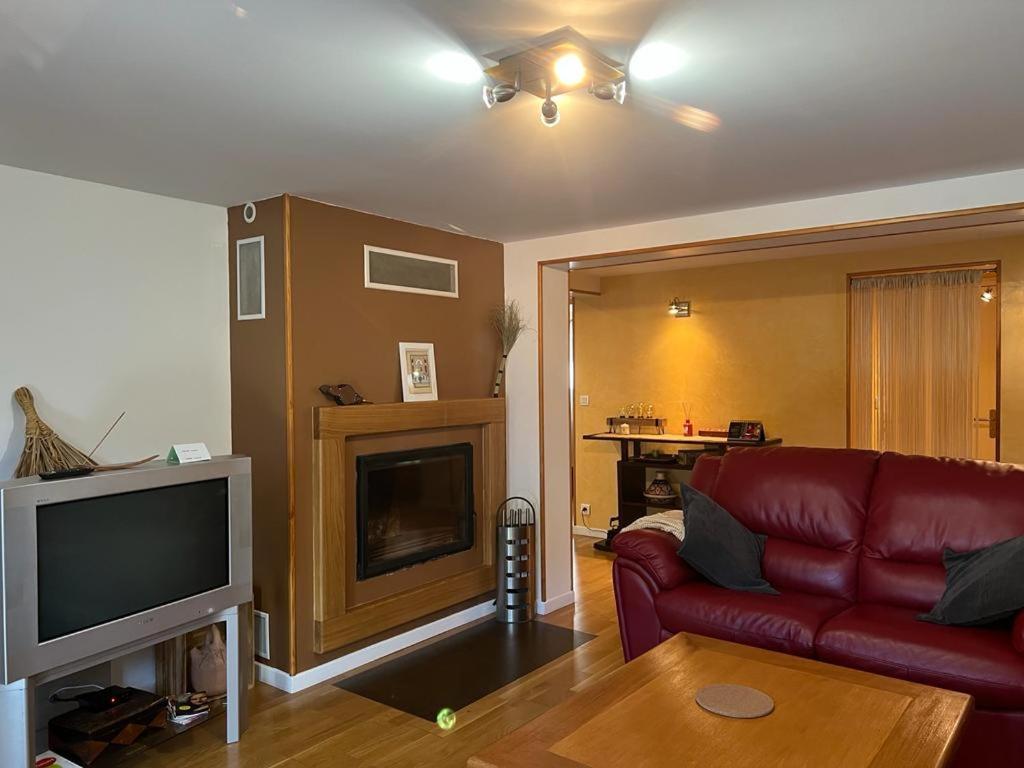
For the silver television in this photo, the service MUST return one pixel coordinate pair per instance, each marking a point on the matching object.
(93, 563)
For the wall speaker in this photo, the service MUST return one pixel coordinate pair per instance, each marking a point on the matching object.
(249, 274)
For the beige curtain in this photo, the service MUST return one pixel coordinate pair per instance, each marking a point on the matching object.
(914, 362)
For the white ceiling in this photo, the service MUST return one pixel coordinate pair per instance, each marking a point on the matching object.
(331, 100)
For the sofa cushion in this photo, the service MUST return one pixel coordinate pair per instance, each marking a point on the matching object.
(719, 547)
(786, 622)
(813, 497)
(982, 586)
(919, 507)
(889, 640)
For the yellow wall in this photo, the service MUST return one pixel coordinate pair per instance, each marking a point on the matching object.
(766, 341)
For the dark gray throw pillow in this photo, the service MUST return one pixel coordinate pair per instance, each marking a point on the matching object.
(719, 547)
(982, 586)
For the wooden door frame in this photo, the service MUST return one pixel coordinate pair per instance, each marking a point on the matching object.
(990, 265)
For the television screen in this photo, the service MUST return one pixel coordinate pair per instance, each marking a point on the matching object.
(108, 557)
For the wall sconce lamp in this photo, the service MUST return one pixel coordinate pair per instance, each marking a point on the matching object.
(679, 308)
(987, 294)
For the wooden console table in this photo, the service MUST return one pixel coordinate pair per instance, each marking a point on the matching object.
(631, 469)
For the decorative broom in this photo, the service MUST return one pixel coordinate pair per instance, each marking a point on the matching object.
(509, 323)
(44, 450)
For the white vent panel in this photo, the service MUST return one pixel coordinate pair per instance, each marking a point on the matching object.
(249, 274)
(261, 634)
(389, 270)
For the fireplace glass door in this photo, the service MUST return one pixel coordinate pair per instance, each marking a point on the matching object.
(413, 506)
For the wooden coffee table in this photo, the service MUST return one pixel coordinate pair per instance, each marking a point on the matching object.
(644, 716)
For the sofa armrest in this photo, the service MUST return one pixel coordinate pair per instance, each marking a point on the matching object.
(1018, 632)
(655, 553)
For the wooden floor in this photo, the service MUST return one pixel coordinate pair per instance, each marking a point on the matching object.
(326, 726)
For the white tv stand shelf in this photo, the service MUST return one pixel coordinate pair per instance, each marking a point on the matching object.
(18, 700)
(139, 526)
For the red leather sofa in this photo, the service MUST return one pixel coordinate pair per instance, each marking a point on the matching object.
(854, 545)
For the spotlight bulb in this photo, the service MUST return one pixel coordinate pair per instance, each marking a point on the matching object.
(569, 69)
(610, 91)
(499, 93)
(620, 92)
(549, 114)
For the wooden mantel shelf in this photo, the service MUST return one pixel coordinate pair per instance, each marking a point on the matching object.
(341, 421)
(339, 618)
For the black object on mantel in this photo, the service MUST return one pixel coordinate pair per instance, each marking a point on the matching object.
(343, 394)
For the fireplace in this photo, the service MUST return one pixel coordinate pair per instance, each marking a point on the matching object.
(412, 506)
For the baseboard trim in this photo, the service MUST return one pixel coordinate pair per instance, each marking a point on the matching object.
(549, 606)
(582, 530)
(337, 667)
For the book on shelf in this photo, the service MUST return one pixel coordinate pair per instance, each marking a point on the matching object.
(188, 707)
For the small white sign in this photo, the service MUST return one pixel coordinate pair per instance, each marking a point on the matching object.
(186, 453)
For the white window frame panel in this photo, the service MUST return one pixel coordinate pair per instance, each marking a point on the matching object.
(263, 278)
(367, 283)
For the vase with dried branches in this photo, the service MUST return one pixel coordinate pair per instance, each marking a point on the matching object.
(509, 323)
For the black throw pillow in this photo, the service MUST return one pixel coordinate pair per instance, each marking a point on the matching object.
(719, 547)
(982, 586)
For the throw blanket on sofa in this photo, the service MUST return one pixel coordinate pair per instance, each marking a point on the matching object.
(670, 521)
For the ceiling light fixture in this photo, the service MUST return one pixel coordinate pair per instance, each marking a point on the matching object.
(549, 114)
(654, 60)
(455, 67)
(610, 91)
(499, 93)
(569, 69)
(551, 65)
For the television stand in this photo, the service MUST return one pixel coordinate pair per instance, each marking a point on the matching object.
(18, 699)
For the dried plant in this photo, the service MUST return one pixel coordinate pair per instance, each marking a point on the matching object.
(44, 450)
(509, 323)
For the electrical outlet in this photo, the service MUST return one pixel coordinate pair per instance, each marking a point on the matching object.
(585, 510)
(584, 399)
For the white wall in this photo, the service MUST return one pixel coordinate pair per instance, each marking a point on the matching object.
(521, 259)
(557, 492)
(110, 301)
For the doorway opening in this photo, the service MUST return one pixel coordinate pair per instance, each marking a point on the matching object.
(806, 403)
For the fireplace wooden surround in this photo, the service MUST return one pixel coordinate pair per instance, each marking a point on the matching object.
(347, 610)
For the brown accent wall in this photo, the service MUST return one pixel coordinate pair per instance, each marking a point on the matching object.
(341, 332)
(258, 410)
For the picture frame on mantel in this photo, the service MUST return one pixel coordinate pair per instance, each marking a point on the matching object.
(419, 374)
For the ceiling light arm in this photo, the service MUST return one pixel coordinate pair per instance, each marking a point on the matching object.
(549, 115)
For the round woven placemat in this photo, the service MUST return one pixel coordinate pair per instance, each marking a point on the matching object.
(739, 701)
